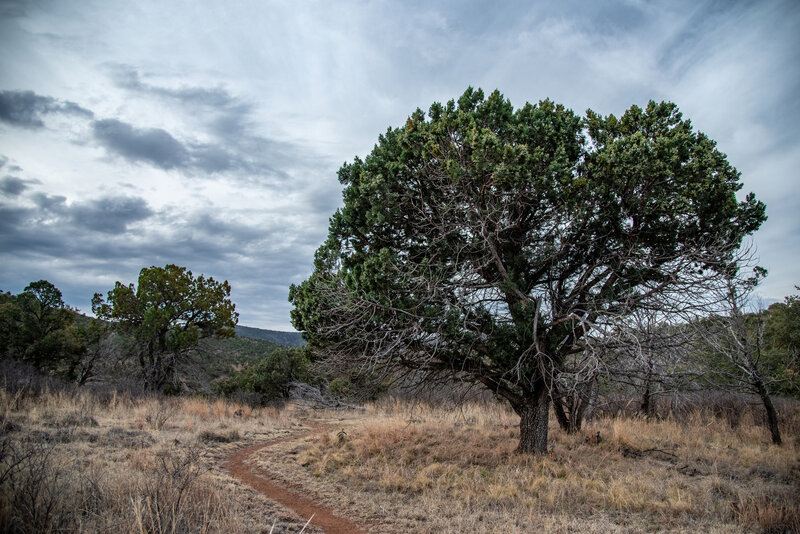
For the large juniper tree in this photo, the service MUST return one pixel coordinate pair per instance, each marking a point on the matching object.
(485, 242)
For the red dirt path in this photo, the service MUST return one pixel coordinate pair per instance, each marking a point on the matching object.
(261, 481)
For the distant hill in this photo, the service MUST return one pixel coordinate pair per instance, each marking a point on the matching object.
(292, 339)
(216, 358)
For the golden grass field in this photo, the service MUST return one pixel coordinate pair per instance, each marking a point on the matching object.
(116, 463)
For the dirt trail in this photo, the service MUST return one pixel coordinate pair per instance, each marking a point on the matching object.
(304, 507)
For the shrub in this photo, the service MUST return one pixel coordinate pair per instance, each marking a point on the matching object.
(269, 377)
(359, 386)
(32, 489)
(165, 499)
(341, 386)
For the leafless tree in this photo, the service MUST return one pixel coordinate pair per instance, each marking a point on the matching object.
(733, 337)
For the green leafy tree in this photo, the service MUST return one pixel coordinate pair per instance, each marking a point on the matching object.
(9, 324)
(783, 343)
(167, 314)
(98, 346)
(38, 328)
(269, 378)
(485, 242)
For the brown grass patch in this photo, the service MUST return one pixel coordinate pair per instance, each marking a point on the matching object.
(73, 461)
(431, 470)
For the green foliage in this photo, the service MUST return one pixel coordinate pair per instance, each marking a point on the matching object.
(38, 328)
(760, 344)
(167, 314)
(358, 386)
(268, 378)
(341, 386)
(93, 337)
(486, 241)
(216, 358)
(243, 350)
(783, 345)
(784, 323)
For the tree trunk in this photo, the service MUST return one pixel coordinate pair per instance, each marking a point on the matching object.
(592, 402)
(772, 414)
(561, 415)
(647, 409)
(534, 415)
(579, 409)
(571, 408)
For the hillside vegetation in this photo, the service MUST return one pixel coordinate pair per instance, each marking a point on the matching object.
(291, 339)
(218, 358)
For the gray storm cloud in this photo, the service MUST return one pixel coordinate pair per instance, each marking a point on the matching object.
(150, 145)
(13, 186)
(26, 108)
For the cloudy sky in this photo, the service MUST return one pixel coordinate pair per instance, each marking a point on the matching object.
(208, 134)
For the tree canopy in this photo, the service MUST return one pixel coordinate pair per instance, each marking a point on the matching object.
(784, 334)
(38, 328)
(269, 378)
(485, 242)
(167, 313)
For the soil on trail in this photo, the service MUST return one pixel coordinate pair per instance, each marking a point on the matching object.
(323, 517)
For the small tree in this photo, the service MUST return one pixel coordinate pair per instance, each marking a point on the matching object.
(575, 389)
(485, 242)
(38, 328)
(735, 346)
(167, 314)
(649, 355)
(98, 344)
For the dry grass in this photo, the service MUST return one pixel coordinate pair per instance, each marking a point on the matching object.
(74, 462)
(77, 462)
(427, 470)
